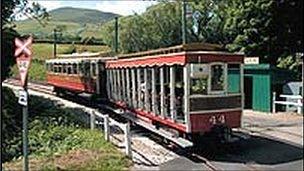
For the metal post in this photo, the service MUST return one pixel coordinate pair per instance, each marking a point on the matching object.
(25, 132)
(116, 35)
(106, 128)
(139, 89)
(92, 120)
(172, 94)
(97, 73)
(129, 101)
(128, 140)
(133, 88)
(55, 39)
(184, 30)
(123, 82)
(162, 92)
(273, 102)
(147, 103)
(119, 85)
(186, 97)
(154, 107)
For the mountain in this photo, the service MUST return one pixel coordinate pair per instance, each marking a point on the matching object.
(81, 15)
(74, 22)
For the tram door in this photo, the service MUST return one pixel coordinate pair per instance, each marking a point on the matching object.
(248, 91)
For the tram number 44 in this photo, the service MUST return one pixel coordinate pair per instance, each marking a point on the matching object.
(217, 119)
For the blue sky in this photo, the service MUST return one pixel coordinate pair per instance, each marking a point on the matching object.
(122, 7)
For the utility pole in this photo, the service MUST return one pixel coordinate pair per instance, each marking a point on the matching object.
(116, 35)
(55, 39)
(184, 31)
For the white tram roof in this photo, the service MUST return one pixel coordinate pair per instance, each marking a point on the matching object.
(75, 55)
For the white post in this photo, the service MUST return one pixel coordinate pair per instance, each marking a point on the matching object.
(92, 119)
(273, 102)
(118, 79)
(146, 93)
(123, 90)
(299, 108)
(162, 92)
(128, 140)
(129, 101)
(114, 84)
(134, 101)
(154, 106)
(186, 97)
(139, 89)
(172, 93)
(106, 128)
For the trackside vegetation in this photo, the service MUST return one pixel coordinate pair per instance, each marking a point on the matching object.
(59, 138)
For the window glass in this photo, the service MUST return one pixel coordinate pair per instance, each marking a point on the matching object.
(69, 69)
(74, 66)
(199, 79)
(94, 69)
(217, 77)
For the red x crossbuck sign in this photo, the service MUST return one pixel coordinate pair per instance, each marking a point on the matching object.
(23, 56)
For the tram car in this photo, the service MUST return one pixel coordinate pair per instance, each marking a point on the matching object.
(77, 73)
(188, 90)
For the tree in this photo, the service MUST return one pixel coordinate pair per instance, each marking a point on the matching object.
(271, 30)
(10, 11)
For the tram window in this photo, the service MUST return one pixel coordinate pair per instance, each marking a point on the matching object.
(86, 69)
(74, 66)
(59, 68)
(199, 79)
(93, 69)
(217, 77)
(64, 68)
(69, 69)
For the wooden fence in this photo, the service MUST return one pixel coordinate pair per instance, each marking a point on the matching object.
(107, 122)
(298, 104)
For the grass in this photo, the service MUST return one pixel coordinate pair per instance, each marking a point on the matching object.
(37, 71)
(45, 50)
(59, 138)
(70, 148)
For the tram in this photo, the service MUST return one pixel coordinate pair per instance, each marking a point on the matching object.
(189, 89)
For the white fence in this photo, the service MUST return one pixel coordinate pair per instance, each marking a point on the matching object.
(107, 122)
(298, 104)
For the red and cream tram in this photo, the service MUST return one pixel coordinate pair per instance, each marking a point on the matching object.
(186, 88)
(190, 89)
(77, 73)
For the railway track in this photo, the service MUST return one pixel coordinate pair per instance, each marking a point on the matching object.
(198, 154)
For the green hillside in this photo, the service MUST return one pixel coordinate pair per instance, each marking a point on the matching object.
(76, 23)
(80, 15)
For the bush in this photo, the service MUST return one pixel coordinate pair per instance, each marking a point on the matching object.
(11, 125)
(43, 113)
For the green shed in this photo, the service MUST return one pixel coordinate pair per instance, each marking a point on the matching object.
(260, 81)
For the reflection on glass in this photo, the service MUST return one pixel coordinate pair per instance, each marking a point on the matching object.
(217, 77)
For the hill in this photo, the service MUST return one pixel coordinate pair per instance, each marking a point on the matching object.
(81, 15)
(75, 23)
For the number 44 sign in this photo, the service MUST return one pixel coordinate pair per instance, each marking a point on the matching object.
(23, 56)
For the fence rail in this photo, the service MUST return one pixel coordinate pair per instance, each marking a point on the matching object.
(298, 104)
(107, 122)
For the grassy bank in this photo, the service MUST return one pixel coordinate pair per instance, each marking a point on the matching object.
(59, 138)
(45, 50)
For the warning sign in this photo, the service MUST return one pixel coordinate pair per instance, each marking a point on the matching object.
(23, 56)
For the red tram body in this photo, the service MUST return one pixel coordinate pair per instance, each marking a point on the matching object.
(188, 88)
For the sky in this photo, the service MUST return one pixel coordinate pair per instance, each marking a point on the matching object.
(122, 7)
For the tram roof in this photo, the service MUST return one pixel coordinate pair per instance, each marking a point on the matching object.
(79, 59)
(176, 55)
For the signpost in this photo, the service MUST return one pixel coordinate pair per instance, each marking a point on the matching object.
(23, 56)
